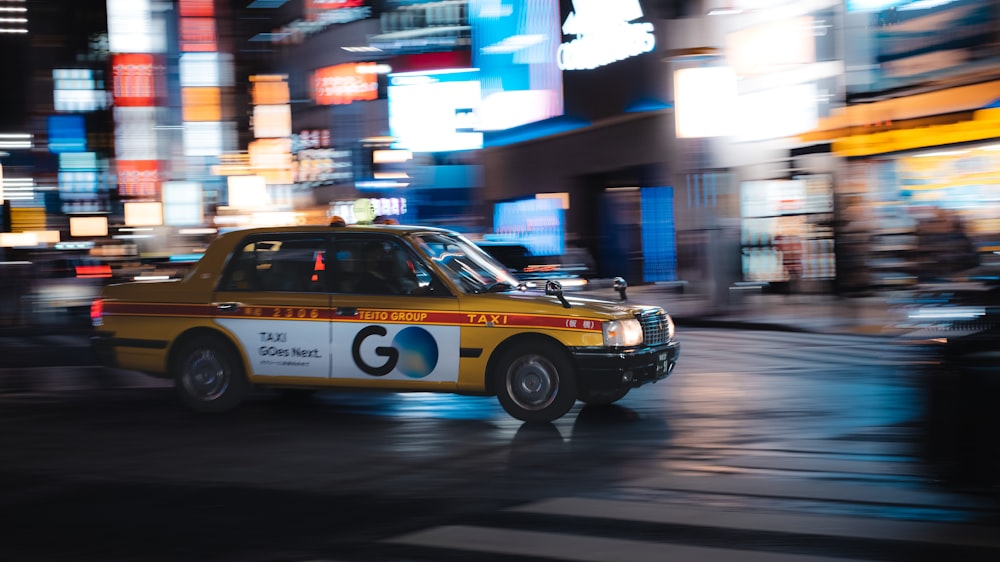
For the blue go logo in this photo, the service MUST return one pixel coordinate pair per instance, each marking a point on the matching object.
(413, 351)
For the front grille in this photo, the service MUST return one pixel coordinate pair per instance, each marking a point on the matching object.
(655, 330)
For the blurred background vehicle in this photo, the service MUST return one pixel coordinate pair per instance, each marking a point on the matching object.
(954, 329)
(55, 287)
(61, 286)
(572, 269)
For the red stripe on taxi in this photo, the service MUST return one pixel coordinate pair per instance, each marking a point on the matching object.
(365, 315)
(213, 311)
(490, 319)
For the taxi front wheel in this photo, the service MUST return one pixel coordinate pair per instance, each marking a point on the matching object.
(536, 382)
(209, 375)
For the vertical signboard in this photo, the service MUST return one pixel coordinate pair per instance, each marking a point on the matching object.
(136, 36)
(515, 46)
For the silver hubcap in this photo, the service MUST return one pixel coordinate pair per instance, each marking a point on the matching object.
(532, 382)
(205, 375)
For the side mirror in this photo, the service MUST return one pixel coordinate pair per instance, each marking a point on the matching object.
(555, 288)
(620, 285)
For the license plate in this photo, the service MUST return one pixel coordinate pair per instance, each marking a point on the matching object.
(661, 363)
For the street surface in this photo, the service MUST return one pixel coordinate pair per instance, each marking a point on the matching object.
(761, 446)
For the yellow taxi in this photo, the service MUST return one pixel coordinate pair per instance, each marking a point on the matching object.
(392, 307)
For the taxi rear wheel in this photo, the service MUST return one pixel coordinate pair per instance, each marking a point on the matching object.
(209, 375)
(603, 397)
(536, 382)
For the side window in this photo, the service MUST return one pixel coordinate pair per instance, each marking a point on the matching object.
(287, 264)
(377, 266)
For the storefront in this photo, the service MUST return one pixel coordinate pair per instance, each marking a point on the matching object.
(928, 211)
(926, 171)
(787, 233)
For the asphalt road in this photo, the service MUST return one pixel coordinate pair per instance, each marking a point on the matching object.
(761, 446)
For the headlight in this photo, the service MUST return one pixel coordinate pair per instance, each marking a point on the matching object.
(622, 333)
(670, 327)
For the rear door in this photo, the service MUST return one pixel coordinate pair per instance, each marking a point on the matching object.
(272, 298)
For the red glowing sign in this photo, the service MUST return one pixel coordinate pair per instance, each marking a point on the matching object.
(139, 178)
(196, 8)
(133, 80)
(198, 35)
(313, 6)
(344, 83)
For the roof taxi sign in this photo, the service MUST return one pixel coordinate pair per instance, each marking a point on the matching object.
(605, 33)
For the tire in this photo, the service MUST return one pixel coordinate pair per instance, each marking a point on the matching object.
(209, 375)
(602, 398)
(535, 382)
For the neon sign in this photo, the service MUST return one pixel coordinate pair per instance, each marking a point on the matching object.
(604, 34)
(344, 83)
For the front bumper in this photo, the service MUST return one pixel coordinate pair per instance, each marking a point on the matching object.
(601, 369)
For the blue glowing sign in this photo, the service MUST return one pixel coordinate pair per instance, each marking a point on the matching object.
(538, 224)
(67, 133)
(514, 45)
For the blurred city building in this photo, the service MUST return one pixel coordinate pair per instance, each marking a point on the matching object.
(803, 146)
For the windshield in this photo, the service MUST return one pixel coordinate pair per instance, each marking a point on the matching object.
(469, 267)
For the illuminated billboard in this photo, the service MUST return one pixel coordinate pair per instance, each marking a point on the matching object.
(135, 133)
(196, 8)
(272, 121)
(208, 138)
(67, 133)
(345, 83)
(604, 32)
(182, 203)
(898, 43)
(319, 15)
(134, 28)
(705, 101)
(201, 104)
(198, 35)
(314, 8)
(515, 50)
(88, 226)
(248, 192)
(538, 224)
(133, 80)
(146, 213)
(435, 111)
(78, 89)
(419, 26)
(139, 178)
(206, 69)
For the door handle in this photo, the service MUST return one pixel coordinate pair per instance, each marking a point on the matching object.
(347, 311)
(227, 306)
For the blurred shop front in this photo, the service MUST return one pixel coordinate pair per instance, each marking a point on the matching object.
(914, 198)
(918, 194)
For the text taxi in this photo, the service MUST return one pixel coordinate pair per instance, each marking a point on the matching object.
(391, 307)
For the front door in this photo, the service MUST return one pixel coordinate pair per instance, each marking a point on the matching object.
(393, 323)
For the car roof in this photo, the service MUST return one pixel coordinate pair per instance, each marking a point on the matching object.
(398, 229)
